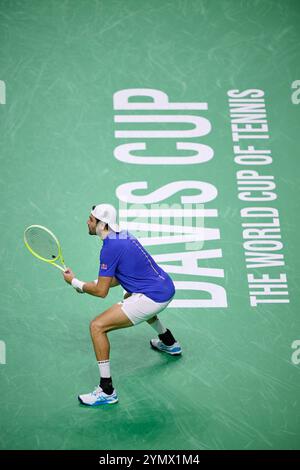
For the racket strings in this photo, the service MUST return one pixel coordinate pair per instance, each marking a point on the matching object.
(42, 243)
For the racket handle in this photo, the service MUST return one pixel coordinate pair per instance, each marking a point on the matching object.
(59, 267)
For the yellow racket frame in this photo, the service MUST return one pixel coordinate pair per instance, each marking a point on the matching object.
(49, 261)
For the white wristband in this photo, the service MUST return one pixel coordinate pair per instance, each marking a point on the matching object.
(78, 285)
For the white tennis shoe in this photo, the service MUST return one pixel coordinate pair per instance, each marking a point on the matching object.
(98, 397)
(174, 350)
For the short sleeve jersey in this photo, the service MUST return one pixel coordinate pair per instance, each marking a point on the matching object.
(123, 257)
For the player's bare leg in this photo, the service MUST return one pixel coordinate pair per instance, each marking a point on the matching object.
(152, 320)
(112, 319)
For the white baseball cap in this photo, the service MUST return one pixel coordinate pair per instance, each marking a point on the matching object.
(108, 214)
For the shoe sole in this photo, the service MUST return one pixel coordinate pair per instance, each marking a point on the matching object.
(179, 353)
(98, 404)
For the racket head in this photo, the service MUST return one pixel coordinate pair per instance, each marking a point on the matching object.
(43, 244)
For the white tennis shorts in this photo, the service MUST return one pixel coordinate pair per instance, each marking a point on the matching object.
(138, 307)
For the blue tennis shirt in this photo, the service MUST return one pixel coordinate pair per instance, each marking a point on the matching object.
(123, 257)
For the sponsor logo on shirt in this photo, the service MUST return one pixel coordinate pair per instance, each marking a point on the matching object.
(103, 266)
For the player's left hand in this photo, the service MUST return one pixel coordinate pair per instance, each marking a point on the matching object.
(68, 275)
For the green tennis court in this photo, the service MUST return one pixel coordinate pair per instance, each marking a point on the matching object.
(153, 105)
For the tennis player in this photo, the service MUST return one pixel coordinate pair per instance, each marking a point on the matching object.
(149, 290)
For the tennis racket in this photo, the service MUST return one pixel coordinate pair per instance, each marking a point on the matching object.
(44, 245)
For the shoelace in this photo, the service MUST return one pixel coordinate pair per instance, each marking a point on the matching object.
(97, 391)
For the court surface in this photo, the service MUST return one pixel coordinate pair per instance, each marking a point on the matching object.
(236, 385)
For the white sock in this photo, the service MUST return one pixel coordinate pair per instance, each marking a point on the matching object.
(104, 369)
(158, 326)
